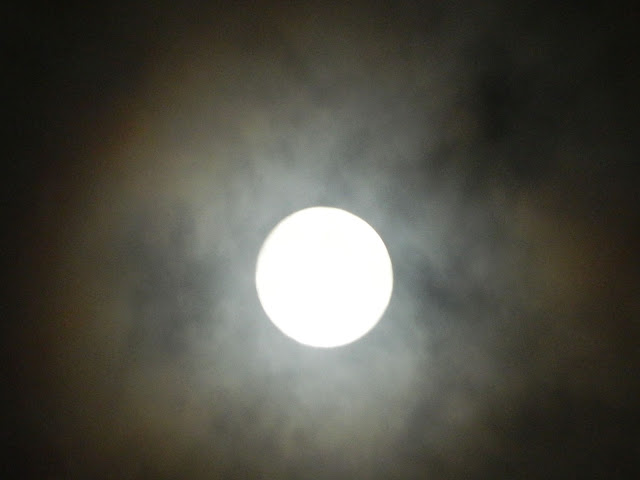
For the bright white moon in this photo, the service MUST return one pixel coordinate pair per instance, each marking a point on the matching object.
(324, 277)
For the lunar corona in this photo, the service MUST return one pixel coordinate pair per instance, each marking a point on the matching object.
(324, 277)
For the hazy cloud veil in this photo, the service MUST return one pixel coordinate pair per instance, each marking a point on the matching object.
(488, 145)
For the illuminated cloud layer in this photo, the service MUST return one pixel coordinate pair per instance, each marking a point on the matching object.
(490, 146)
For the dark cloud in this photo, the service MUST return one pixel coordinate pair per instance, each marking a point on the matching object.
(491, 145)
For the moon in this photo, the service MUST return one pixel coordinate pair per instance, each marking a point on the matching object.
(324, 277)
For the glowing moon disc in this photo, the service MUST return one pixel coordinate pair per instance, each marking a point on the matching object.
(324, 277)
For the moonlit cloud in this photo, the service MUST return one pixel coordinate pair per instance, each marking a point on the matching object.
(489, 145)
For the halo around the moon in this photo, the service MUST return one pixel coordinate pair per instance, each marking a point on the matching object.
(324, 277)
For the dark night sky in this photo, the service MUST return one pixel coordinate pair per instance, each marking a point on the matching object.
(152, 146)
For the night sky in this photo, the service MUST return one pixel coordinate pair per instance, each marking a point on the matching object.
(152, 146)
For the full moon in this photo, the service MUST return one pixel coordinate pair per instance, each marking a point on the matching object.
(324, 277)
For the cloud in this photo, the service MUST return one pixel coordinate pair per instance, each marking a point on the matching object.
(469, 136)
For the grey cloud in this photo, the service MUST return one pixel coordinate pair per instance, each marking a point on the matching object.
(477, 140)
